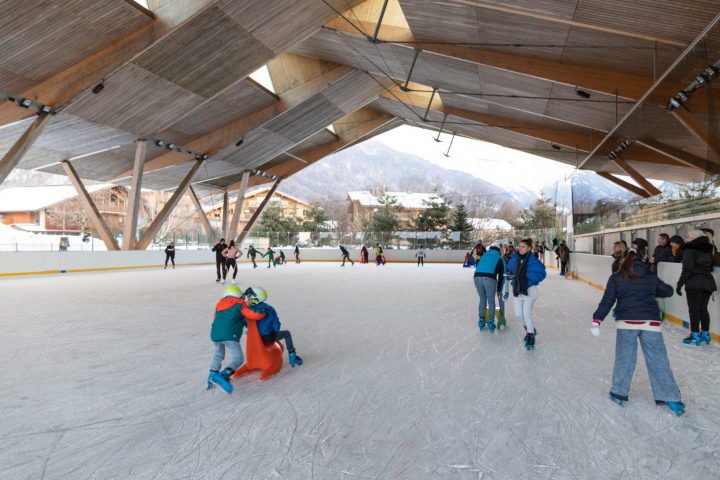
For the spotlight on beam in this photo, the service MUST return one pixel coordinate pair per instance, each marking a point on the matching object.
(240, 142)
(556, 147)
(582, 93)
(25, 103)
(159, 143)
(98, 88)
(171, 146)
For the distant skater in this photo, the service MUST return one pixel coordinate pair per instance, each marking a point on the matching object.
(420, 254)
(252, 253)
(297, 254)
(379, 256)
(170, 254)
(346, 256)
(219, 248)
(271, 257)
(364, 254)
(282, 257)
(231, 253)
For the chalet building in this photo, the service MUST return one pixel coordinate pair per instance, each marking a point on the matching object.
(362, 204)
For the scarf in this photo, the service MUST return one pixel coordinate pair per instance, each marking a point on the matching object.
(520, 278)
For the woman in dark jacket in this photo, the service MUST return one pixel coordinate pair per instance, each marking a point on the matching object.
(697, 277)
(634, 288)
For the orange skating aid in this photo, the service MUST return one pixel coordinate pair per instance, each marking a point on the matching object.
(258, 356)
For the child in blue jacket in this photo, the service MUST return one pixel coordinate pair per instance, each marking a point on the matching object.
(525, 273)
(269, 325)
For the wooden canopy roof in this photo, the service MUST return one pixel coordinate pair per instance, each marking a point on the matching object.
(569, 80)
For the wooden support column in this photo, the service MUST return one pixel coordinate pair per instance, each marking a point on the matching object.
(133, 207)
(232, 232)
(622, 183)
(95, 216)
(154, 227)
(225, 215)
(256, 214)
(23, 144)
(203, 217)
(635, 175)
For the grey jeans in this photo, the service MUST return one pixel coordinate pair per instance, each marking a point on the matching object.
(661, 378)
(486, 288)
(235, 351)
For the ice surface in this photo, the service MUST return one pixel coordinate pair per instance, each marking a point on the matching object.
(103, 376)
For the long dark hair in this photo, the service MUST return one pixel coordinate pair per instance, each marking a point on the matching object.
(626, 265)
(528, 242)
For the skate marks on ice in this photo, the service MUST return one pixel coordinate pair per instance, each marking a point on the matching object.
(398, 384)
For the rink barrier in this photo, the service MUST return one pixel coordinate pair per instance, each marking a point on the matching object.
(590, 269)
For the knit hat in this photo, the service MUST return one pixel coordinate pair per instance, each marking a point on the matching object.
(640, 242)
(677, 239)
(693, 234)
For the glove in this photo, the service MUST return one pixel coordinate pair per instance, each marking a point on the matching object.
(679, 290)
(506, 295)
(595, 329)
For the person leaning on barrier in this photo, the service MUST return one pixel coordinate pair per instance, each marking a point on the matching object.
(710, 233)
(618, 254)
(697, 278)
(662, 252)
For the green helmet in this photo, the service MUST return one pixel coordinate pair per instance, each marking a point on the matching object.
(256, 294)
(233, 291)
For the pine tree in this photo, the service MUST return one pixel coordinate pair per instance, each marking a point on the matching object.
(460, 223)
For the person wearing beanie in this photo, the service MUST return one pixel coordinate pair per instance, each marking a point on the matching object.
(699, 283)
(676, 241)
(641, 245)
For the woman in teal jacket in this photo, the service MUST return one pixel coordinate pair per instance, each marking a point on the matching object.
(489, 277)
(525, 273)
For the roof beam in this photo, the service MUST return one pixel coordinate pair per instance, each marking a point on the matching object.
(681, 156)
(133, 206)
(635, 175)
(622, 183)
(22, 145)
(573, 23)
(627, 86)
(361, 124)
(67, 84)
(95, 215)
(699, 131)
(232, 231)
(231, 132)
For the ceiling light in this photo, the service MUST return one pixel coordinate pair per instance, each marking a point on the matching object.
(204, 156)
(98, 88)
(556, 147)
(672, 104)
(25, 102)
(159, 143)
(171, 146)
(46, 109)
(239, 142)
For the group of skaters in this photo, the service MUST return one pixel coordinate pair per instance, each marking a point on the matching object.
(226, 256)
(501, 269)
(632, 289)
(364, 255)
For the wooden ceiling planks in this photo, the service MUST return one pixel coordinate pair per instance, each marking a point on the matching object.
(135, 100)
(41, 38)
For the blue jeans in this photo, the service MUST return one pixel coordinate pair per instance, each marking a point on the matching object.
(277, 336)
(235, 351)
(486, 288)
(661, 378)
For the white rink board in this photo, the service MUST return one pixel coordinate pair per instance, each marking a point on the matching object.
(102, 375)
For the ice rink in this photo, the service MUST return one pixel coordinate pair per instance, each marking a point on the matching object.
(103, 376)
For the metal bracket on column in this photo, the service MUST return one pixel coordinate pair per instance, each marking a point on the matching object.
(95, 216)
(441, 128)
(134, 200)
(256, 213)
(405, 88)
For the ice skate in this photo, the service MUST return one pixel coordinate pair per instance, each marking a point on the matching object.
(693, 338)
(220, 380)
(501, 321)
(677, 408)
(294, 359)
(530, 341)
(617, 400)
(481, 323)
(705, 337)
(491, 326)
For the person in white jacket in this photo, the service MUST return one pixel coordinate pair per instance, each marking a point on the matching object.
(420, 254)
